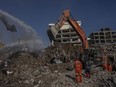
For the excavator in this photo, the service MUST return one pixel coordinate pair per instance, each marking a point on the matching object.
(67, 17)
(85, 49)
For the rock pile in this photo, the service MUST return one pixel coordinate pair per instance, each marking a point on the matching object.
(26, 70)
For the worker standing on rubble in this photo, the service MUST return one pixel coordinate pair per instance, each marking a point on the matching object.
(109, 67)
(88, 69)
(105, 61)
(78, 70)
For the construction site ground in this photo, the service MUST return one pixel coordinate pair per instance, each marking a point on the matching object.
(25, 70)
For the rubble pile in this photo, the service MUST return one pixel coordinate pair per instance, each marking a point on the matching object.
(61, 53)
(105, 79)
(25, 69)
(22, 67)
(100, 79)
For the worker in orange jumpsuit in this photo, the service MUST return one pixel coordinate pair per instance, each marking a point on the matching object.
(105, 61)
(78, 70)
(106, 65)
(109, 67)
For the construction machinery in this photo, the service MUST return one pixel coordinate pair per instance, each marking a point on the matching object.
(67, 17)
(85, 49)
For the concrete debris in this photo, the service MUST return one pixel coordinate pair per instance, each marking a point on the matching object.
(23, 69)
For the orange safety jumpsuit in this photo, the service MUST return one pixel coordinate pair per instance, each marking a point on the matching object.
(78, 71)
(105, 62)
(110, 68)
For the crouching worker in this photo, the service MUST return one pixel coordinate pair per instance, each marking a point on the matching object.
(78, 70)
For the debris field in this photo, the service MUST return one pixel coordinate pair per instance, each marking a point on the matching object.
(25, 70)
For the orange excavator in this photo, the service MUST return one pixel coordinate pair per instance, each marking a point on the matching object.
(67, 17)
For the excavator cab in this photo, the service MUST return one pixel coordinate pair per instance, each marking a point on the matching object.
(95, 56)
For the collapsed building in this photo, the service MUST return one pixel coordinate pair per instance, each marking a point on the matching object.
(66, 34)
(106, 36)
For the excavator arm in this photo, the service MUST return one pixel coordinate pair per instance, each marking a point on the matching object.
(9, 27)
(66, 17)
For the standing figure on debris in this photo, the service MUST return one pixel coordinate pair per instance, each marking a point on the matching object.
(105, 61)
(109, 67)
(88, 69)
(78, 70)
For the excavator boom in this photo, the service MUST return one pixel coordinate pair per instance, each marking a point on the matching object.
(66, 17)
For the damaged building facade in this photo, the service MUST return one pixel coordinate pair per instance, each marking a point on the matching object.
(105, 36)
(66, 34)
